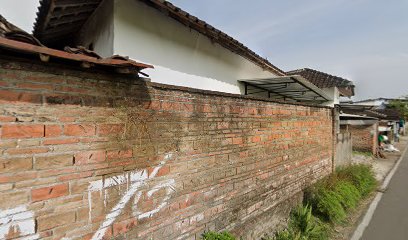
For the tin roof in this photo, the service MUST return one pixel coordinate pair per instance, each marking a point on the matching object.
(286, 88)
(325, 80)
(13, 40)
(61, 19)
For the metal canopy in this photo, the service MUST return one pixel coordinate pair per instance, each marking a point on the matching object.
(288, 88)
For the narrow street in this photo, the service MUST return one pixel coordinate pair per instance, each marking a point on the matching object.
(390, 219)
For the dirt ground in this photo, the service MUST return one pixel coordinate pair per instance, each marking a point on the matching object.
(381, 167)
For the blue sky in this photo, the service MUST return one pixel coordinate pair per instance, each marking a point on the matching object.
(362, 40)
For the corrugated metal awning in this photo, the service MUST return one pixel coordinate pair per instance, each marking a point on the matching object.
(288, 88)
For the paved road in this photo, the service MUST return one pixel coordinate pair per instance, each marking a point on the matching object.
(390, 219)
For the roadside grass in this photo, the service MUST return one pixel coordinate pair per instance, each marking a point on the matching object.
(331, 200)
(367, 154)
(327, 203)
(218, 236)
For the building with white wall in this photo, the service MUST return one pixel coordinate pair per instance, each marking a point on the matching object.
(184, 50)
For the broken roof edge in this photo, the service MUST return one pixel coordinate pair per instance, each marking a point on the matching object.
(45, 53)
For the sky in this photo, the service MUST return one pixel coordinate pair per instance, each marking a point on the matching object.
(365, 41)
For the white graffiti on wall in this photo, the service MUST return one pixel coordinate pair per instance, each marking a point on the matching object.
(134, 181)
(17, 222)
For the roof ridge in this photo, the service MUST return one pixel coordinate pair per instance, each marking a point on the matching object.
(327, 75)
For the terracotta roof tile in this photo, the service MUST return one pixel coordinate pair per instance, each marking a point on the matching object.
(324, 80)
(15, 41)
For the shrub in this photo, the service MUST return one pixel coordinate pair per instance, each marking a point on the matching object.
(303, 222)
(287, 235)
(327, 204)
(303, 226)
(361, 176)
(218, 236)
(334, 195)
(349, 194)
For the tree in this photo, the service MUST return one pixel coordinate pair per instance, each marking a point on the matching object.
(400, 106)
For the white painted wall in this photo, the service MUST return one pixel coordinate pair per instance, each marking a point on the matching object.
(98, 30)
(181, 56)
(334, 94)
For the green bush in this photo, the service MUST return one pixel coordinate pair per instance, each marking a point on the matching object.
(218, 236)
(309, 227)
(361, 176)
(303, 226)
(349, 194)
(287, 235)
(334, 195)
(327, 204)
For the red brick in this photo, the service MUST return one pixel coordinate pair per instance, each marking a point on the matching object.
(75, 176)
(15, 164)
(153, 105)
(35, 86)
(37, 77)
(123, 226)
(55, 220)
(67, 119)
(256, 139)
(53, 130)
(110, 129)
(56, 162)
(89, 157)
(18, 151)
(119, 154)
(79, 130)
(45, 193)
(237, 141)
(187, 107)
(69, 89)
(7, 119)
(60, 141)
(163, 171)
(9, 95)
(22, 131)
(17, 177)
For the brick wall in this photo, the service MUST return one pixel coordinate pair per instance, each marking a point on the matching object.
(94, 155)
(364, 137)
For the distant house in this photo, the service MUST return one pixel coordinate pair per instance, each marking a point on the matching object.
(389, 118)
(378, 103)
(334, 86)
(184, 50)
(363, 130)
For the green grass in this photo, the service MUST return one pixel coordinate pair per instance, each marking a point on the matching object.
(367, 154)
(333, 196)
(361, 176)
(326, 203)
(218, 236)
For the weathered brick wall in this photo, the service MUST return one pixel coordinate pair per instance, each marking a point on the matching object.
(364, 137)
(91, 155)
